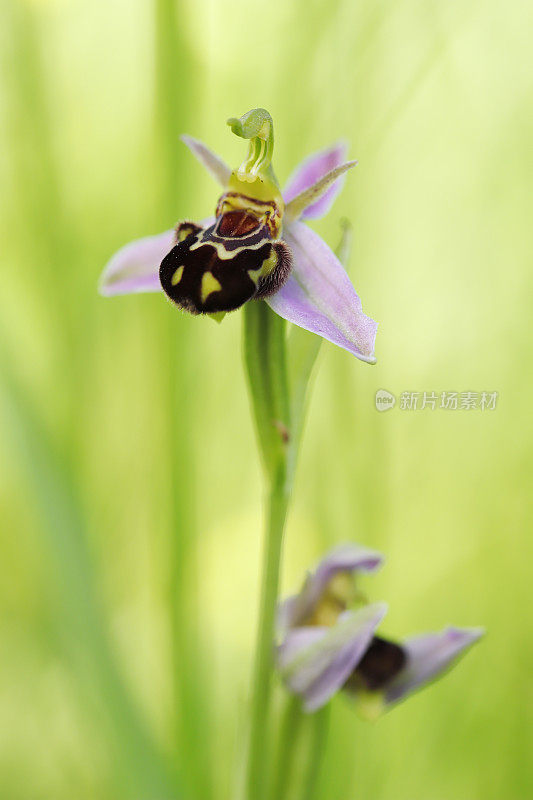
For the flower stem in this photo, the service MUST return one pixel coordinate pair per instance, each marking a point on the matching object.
(288, 737)
(320, 726)
(265, 359)
(257, 763)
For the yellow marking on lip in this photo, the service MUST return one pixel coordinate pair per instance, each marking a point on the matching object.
(209, 285)
(222, 253)
(265, 268)
(269, 263)
(176, 278)
(184, 231)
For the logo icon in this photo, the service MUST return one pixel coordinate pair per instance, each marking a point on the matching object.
(384, 400)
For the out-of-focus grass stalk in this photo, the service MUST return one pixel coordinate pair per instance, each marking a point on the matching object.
(54, 492)
(35, 163)
(176, 82)
(136, 764)
(30, 119)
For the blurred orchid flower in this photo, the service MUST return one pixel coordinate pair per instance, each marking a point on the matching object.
(217, 265)
(327, 644)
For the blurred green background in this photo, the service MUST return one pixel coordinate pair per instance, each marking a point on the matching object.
(130, 485)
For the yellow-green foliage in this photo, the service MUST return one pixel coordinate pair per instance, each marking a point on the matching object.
(130, 483)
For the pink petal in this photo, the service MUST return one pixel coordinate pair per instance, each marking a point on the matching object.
(135, 267)
(216, 167)
(320, 297)
(311, 170)
(428, 656)
(316, 662)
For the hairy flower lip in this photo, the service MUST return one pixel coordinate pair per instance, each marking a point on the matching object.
(318, 295)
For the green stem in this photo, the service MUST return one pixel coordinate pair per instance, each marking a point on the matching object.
(264, 353)
(279, 411)
(320, 726)
(278, 501)
(288, 737)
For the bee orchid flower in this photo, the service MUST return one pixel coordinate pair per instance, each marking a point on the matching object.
(328, 641)
(257, 246)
